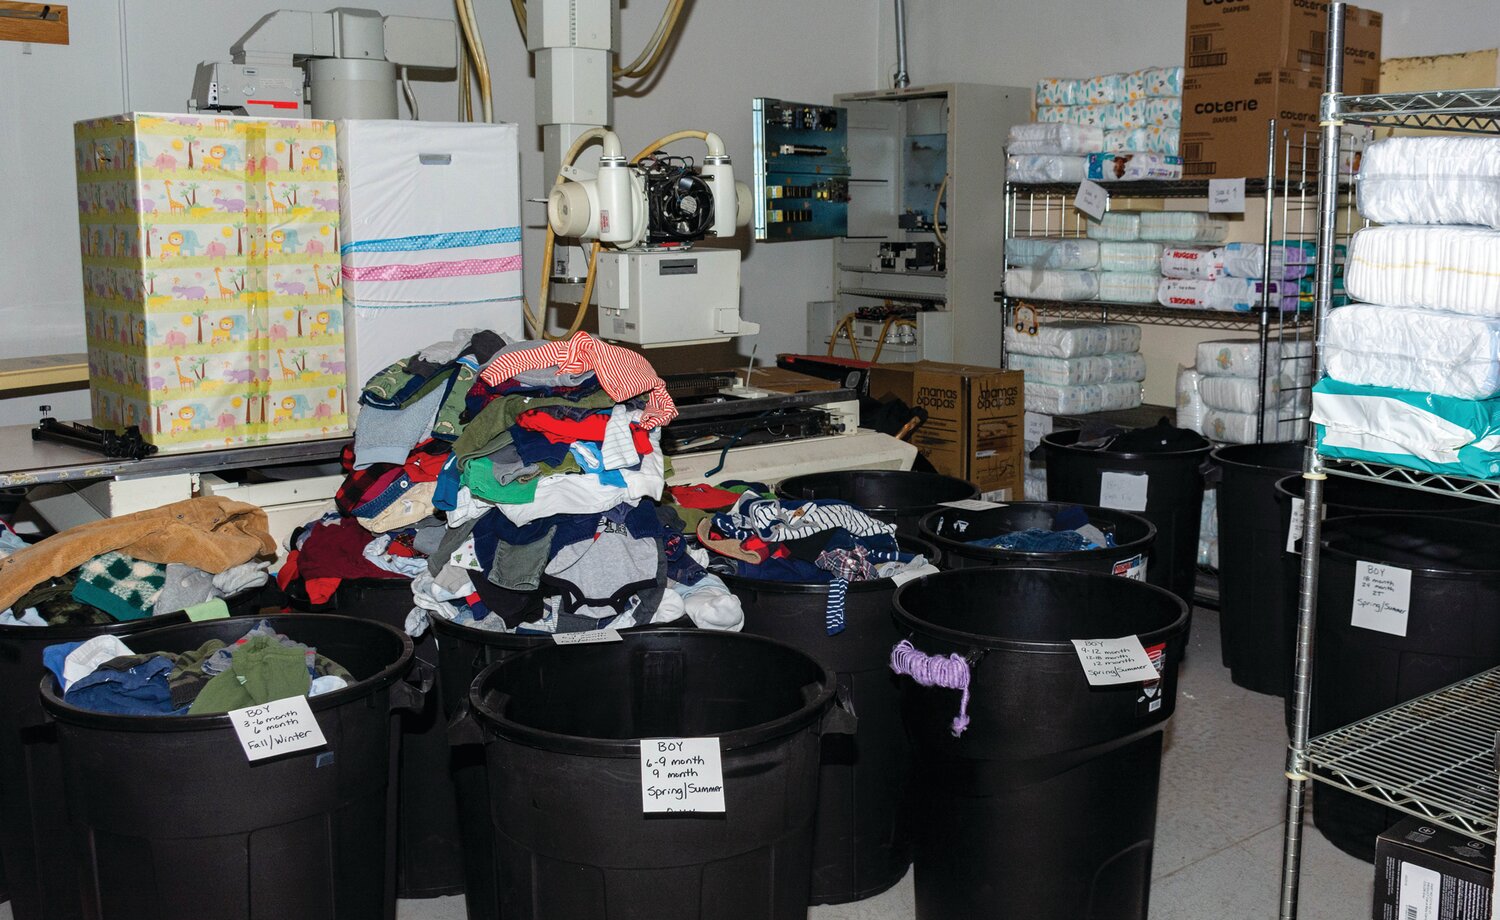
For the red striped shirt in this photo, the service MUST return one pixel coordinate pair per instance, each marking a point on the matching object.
(621, 372)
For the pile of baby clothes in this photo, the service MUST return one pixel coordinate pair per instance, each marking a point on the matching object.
(149, 563)
(816, 541)
(105, 675)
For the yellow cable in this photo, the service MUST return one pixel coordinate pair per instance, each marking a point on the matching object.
(469, 26)
(893, 322)
(936, 204)
(519, 8)
(846, 326)
(651, 55)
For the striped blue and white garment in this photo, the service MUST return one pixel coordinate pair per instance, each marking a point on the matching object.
(777, 521)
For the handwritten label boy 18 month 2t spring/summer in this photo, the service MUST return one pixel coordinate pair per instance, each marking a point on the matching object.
(1382, 598)
(276, 728)
(681, 774)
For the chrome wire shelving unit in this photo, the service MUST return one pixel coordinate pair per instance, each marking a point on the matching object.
(1432, 757)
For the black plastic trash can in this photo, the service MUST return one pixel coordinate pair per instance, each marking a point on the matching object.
(954, 530)
(572, 842)
(429, 849)
(1173, 500)
(1251, 541)
(1276, 624)
(1451, 632)
(862, 840)
(899, 497)
(1045, 805)
(36, 841)
(179, 825)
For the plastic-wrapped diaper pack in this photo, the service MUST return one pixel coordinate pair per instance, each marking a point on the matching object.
(1437, 268)
(1116, 225)
(1133, 167)
(1239, 427)
(1208, 530)
(1127, 287)
(1153, 81)
(1190, 406)
(1242, 394)
(1439, 434)
(1046, 167)
(1081, 400)
(1432, 180)
(1074, 339)
(1160, 112)
(1051, 284)
(1225, 293)
(1450, 354)
(1110, 87)
(1073, 372)
(1243, 260)
(1139, 257)
(1289, 361)
(1153, 138)
(1071, 140)
(1182, 227)
(1051, 252)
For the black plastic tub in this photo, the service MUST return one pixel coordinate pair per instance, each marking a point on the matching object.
(180, 824)
(952, 529)
(862, 842)
(899, 497)
(565, 726)
(1451, 632)
(1045, 804)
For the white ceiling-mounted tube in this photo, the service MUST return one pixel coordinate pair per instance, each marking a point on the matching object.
(902, 78)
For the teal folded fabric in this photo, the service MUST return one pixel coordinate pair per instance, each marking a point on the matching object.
(1421, 431)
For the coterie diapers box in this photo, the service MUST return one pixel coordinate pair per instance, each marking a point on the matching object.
(974, 421)
(1249, 36)
(1225, 116)
(211, 277)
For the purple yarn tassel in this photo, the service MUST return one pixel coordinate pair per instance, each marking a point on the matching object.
(950, 673)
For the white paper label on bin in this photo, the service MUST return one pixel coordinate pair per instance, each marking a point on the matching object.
(1115, 661)
(1124, 491)
(681, 774)
(1226, 196)
(1037, 427)
(276, 728)
(1382, 597)
(587, 638)
(972, 504)
(1091, 199)
(1299, 520)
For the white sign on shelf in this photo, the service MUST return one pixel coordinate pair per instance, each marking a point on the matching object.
(1092, 199)
(1382, 597)
(1294, 531)
(591, 637)
(1124, 491)
(681, 774)
(276, 728)
(1037, 427)
(1115, 661)
(972, 504)
(1226, 196)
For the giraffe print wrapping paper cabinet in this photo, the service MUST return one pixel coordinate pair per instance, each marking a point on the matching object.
(211, 277)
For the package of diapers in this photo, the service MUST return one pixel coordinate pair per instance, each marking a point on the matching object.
(1073, 372)
(1051, 284)
(1071, 140)
(1151, 138)
(1182, 227)
(1116, 225)
(1290, 361)
(1239, 427)
(1141, 258)
(1127, 287)
(1046, 167)
(1438, 268)
(1242, 394)
(1190, 406)
(1051, 252)
(1153, 81)
(1201, 262)
(1081, 400)
(1074, 339)
(1133, 167)
(1450, 354)
(1431, 180)
(1438, 434)
(1224, 294)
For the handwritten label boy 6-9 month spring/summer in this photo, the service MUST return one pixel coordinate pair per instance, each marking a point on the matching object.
(681, 774)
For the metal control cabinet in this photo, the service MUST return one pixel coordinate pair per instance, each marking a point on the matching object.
(907, 147)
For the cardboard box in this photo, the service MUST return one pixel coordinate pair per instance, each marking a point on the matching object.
(1225, 115)
(781, 380)
(1251, 36)
(974, 428)
(1424, 872)
(431, 220)
(211, 277)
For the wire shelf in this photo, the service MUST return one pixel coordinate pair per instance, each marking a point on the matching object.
(1151, 315)
(892, 294)
(1433, 757)
(1446, 110)
(1477, 489)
